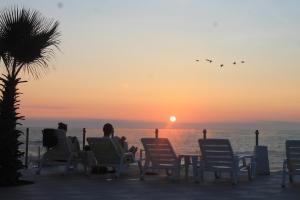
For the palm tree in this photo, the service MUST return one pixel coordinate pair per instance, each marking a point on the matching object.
(27, 42)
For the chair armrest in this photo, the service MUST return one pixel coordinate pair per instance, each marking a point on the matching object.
(244, 157)
(285, 166)
(285, 161)
(249, 156)
(251, 166)
(128, 157)
(198, 164)
(284, 172)
(141, 154)
(238, 159)
(128, 154)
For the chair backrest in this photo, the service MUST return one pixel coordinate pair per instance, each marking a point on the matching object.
(159, 151)
(49, 137)
(73, 144)
(119, 147)
(60, 151)
(105, 149)
(123, 145)
(216, 153)
(293, 154)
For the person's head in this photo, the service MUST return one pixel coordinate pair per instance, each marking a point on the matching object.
(108, 130)
(62, 126)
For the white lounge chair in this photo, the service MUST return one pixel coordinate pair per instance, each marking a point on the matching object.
(217, 156)
(109, 153)
(65, 152)
(159, 154)
(291, 165)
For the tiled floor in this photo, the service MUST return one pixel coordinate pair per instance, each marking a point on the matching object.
(75, 185)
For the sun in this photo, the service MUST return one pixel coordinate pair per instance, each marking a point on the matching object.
(172, 118)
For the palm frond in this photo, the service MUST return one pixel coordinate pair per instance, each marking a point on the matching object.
(28, 40)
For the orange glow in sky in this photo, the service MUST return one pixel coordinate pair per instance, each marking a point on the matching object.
(137, 61)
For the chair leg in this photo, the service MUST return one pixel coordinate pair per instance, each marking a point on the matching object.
(87, 170)
(118, 173)
(283, 179)
(38, 172)
(284, 172)
(76, 166)
(143, 169)
(201, 172)
(195, 171)
(291, 178)
(175, 174)
(140, 166)
(119, 170)
(142, 175)
(169, 172)
(249, 173)
(67, 166)
(217, 175)
(234, 178)
(253, 168)
(41, 163)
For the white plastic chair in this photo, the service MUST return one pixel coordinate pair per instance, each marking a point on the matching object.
(159, 154)
(66, 152)
(217, 156)
(109, 153)
(291, 165)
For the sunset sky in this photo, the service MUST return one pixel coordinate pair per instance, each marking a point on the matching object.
(135, 60)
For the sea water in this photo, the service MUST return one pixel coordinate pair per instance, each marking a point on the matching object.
(185, 141)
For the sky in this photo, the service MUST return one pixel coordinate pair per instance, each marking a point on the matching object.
(136, 60)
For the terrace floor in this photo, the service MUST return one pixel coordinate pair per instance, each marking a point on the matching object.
(51, 184)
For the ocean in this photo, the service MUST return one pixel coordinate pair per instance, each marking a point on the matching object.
(185, 140)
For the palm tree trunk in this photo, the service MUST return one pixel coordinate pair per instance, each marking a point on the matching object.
(10, 155)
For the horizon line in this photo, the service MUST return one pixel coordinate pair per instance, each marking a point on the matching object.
(123, 123)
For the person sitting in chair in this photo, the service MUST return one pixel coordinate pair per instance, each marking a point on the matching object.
(62, 126)
(108, 131)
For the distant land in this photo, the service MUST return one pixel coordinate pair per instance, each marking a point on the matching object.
(98, 123)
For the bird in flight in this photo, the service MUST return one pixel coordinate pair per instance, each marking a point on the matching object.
(221, 65)
(234, 63)
(242, 61)
(197, 60)
(208, 60)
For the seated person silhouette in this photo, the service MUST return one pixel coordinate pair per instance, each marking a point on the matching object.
(62, 126)
(108, 131)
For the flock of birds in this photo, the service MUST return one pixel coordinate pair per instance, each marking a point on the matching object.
(222, 65)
